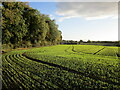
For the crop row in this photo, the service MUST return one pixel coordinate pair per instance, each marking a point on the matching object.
(99, 50)
(107, 71)
(88, 49)
(21, 73)
(109, 51)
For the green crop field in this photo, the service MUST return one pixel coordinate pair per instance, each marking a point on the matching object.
(62, 67)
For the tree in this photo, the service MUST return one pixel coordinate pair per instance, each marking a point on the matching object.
(25, 25)
(81, 41)
(88, 41)
(14, 27)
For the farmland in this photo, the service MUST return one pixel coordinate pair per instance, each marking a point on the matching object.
(62, 67)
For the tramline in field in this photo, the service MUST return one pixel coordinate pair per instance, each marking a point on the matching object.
(62, 67)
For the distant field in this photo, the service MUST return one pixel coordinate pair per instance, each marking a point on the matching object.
(62, 67)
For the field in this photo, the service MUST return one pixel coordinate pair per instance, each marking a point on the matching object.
(62, 67)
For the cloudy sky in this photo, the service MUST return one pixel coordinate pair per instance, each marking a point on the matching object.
(83, 20)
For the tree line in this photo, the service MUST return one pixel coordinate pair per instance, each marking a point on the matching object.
(23, 26)
(89, 42)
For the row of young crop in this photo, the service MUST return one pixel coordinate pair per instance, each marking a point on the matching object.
(94, 68)
(107, 73)
(21, 73)
(98, 50)
(109, 51)
(88, 49)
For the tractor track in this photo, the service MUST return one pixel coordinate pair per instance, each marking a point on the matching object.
(72, 71)
(98, 51)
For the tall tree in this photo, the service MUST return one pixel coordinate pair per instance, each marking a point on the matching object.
(14, 27)
(23, 24)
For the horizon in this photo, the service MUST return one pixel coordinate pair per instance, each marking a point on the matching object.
(91, 40)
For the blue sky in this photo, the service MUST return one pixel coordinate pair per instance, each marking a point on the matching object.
(86, 23)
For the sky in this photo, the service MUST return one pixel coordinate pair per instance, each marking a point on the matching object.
(95, 21)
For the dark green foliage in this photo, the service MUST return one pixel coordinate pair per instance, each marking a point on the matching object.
(14, 27)
(23, 25)
(69, 42)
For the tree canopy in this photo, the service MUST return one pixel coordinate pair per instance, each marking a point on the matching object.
(24, 26)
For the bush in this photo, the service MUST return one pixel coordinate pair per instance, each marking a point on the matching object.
(7, 46)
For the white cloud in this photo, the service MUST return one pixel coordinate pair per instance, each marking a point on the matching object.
(87, 10)
(51, 16)
(63, 18)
